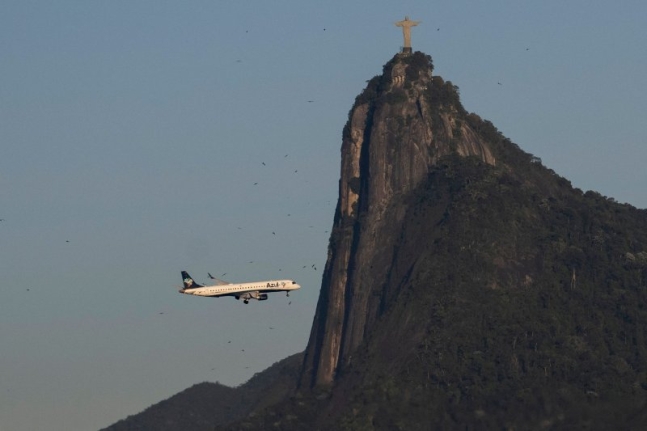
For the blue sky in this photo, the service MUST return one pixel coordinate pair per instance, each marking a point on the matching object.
(136, 131)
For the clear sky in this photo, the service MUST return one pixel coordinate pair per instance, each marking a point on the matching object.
(132, 134)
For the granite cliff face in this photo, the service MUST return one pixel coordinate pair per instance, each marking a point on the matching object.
(398, 129)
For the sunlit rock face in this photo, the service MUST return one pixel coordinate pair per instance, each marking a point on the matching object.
(400, 126)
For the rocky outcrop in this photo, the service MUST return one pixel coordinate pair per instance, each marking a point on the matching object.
(398, 129)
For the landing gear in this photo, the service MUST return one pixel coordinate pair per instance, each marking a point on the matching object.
(287, 293)
(246, 301)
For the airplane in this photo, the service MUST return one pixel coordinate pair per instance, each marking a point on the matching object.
(255, 290)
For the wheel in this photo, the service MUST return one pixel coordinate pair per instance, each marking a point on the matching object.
(246, 301)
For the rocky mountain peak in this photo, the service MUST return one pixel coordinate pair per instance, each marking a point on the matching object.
(403, 122)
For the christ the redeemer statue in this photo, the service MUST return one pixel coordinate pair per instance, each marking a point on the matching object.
(406, 25)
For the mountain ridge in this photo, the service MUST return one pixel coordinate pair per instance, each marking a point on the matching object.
(467, 285)
(205, 405)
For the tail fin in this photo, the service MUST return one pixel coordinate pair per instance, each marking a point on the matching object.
(188, 281)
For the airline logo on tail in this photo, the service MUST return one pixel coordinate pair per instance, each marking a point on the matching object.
(188, 281)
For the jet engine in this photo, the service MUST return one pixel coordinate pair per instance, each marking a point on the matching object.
(262, 297)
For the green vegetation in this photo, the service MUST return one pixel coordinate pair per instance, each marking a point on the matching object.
(524, 305)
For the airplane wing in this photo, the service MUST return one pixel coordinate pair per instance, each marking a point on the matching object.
(218, 282)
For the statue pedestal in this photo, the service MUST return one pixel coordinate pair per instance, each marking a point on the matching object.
(407, 50)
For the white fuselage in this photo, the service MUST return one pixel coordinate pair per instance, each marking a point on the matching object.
(243, 289)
